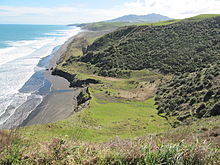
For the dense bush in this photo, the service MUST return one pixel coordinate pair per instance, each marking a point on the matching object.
(196, 93)
(177, 48)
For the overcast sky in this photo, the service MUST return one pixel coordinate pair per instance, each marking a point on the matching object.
(80, 11)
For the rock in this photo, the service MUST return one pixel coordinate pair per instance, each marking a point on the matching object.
(74, 82)
(83, 96)
(83, 83)
(84, 50)
(68, 76)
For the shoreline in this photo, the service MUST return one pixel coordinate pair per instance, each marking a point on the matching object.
(60, 102)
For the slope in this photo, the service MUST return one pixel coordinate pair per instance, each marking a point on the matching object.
(176, 48)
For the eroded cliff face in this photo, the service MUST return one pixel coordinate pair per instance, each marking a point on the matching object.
(74, 82)
(83, 96)
(69, 77)
(81, 93)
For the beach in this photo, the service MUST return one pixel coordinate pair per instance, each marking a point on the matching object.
(61, 101)
(49, 98)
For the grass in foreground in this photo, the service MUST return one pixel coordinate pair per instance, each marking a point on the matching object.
(185, 145)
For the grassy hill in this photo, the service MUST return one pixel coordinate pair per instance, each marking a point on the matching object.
(190, 95)
(203, 16)
(176, 48)
(150, 78)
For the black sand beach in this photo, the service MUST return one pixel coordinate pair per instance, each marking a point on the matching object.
(61, 101)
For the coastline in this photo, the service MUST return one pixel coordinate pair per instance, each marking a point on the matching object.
(57, 100)
(61, 101)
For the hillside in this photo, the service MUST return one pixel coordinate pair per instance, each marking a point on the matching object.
(150, 95)
(183, 49)
(176, 48)
(190, 95)
(141, 18)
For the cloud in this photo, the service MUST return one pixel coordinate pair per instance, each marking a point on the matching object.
(174, 8)
(80, 14)
(58, 15)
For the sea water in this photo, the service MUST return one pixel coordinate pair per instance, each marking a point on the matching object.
(25, 51)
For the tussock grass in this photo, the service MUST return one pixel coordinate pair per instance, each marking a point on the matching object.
(147, 150)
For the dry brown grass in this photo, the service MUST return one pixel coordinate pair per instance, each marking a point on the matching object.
(141, 150)
(144, 92)
(172, 148)
(7, 138)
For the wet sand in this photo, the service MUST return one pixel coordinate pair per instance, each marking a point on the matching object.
(61, 101)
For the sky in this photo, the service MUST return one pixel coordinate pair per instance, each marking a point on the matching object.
(84, 11)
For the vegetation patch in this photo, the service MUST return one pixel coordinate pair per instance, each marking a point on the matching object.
(191, 94)
(176, 48)
(103, 120)
(185, 145)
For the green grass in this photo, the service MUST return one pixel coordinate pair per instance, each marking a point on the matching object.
(107, 116)
(102, 121)
(202, 16)
(183, 145)
(101, 26)
(161, 23)
(115, 25)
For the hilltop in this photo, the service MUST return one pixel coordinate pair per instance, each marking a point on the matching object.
(176, 48)
(141, 18)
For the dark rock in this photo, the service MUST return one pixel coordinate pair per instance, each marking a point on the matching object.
(84, 50)
(83, 83)
(83, 96)
(215, 134)
(68, 76)
(204, 129)
(74, 82)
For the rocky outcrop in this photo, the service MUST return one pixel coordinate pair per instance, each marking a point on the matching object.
(74, 82)
(83, 96)
(83, 83)
(69, 77)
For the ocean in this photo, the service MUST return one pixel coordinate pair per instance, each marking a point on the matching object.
(25, 51)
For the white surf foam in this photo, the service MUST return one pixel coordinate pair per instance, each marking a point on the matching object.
(18, 63)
